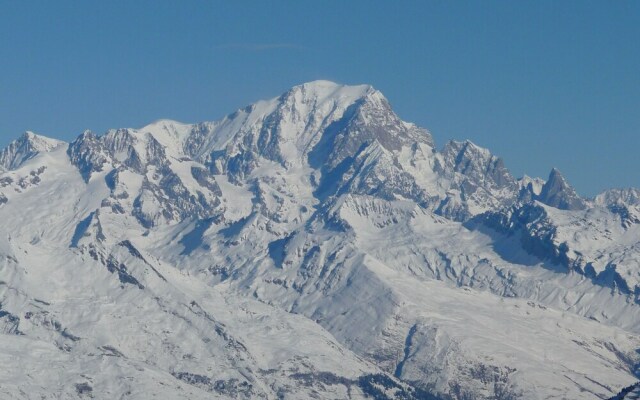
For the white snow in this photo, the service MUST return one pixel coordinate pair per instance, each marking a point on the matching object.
(303, 276)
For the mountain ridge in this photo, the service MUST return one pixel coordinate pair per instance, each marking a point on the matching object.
(313, 244)
(322, 90)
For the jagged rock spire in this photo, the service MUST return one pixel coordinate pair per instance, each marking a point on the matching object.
(557, 192)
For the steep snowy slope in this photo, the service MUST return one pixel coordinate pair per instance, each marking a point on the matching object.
(311, 245)
(100, 318)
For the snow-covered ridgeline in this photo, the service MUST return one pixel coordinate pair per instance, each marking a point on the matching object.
(363, 261)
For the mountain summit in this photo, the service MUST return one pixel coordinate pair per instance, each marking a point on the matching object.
(24, 148)
(556, 192)
(312, 245)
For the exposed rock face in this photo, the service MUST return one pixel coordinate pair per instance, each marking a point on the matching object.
(479, 180)
(87, 153)
(557, 193)
(24, 148)
(628, 197)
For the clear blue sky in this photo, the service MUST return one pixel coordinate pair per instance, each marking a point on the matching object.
(540, 83)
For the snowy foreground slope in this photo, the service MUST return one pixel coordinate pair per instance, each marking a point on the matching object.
(309, 246)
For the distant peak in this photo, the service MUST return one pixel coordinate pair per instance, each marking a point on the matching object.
(27, 146)
(555, 172)
(527, 179)
(326, 84)
(163, 123)
(556, 192)
(557, 179)
(531, 185)
(33, 137)
(626, 196)
(465, 147)
(321, 90)
(87, 134)
(320, 83)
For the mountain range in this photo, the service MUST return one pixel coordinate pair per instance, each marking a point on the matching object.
(313, 245)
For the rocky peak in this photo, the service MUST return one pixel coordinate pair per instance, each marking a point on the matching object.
(87, 153)
(26, 147)
(367, 121)
(315, 124)
(625, 203)
(476, 181)
(529, 188)
(476, 162)
(627, 196)
(119, 139)
(557, 192)
(473, 166)
(534, 185)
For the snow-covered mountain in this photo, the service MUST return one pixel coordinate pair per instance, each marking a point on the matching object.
(309, 246)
